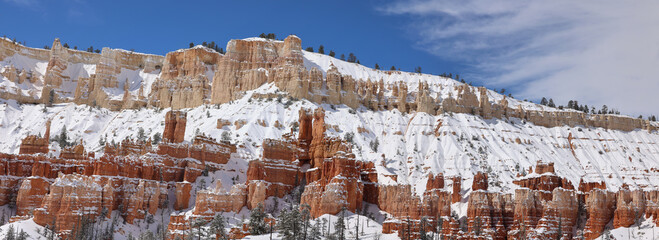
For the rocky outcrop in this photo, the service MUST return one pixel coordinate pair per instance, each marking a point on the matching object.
(182, 195)
(545, 180)
(630, 207)
(271, 177)
(196, 76)
(129, 178)
(217, 199)
(489, 214)
(588, 186)
(457, 189)
(71, 198)
(174, 126)
(30, 195)
(600, 205)
(247, 65)
(334, 185)
(35, 144)
(185, 78)
(480, 182)
(537, 218)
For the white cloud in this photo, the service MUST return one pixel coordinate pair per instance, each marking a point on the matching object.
(597, 52)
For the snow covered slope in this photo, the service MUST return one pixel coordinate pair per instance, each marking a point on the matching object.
(413, 145)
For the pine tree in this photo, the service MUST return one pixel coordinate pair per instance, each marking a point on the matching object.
(418, 69)
(340, 226)
(217, 226)
(191, 44)
(352, 58)
(324, 226)
(305, 215)
(101, 142)
(51, 97)
(321, 49)
(343, 57)
(551, 103)
(11, 234)
(422, 229)
(543, 101)
(141, 136)
(605, 109)
(196, 229)
(332, 53)
(156, 138)
(377, 66)
(309, 49)
(288, 223)
(314, 234)
(22, 235)
(63, 138)
(393, 68)
(257, 224)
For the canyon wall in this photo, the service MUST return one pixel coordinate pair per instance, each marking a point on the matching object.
(192, 77)
(135, 180)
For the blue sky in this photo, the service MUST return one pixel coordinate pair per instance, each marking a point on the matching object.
(150, 27)
(597, 52)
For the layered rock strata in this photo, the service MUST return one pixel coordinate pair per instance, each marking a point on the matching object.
(197, 76)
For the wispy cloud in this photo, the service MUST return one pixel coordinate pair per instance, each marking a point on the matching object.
(22, 2)
(29, 4)
(598, 52)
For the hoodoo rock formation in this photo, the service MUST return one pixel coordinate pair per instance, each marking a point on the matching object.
(36, 144)
(137, 180)
(319, 162)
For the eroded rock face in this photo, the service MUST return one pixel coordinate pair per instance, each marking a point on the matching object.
(182, 195)
(492, 213)
(34, 144)
(218, 199)
(480, 182)
(71, 197)
(271, 177)
(339, 185)
(600, 205)
(588, 186)
(457, 188)
(630, 207)
(30, 195)
(129, 178)
(174, 127)
(196, 76)
(185, 79)
(562, 212)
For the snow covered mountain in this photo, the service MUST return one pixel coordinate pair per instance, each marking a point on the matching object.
(511, 167)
